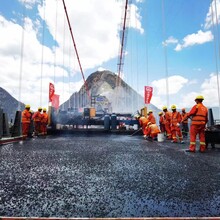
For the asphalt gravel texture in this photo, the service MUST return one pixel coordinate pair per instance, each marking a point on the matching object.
(107, 175)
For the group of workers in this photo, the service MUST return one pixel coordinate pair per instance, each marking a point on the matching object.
(39, 120)
(175, 124)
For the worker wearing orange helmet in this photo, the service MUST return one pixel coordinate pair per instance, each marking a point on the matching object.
(175, 125)
(185, 126)
(161, 122)
(44, 122)
(152, 130)
(151, 117)
(167, 118)
(199, 118)
(26, 120)
(37, 121)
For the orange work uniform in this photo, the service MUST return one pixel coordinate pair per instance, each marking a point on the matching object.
(161, 123)
(175, 126)
(167, 119)
(37, 122)
(199, 114)
(26, 120)
(143, 121)
(44, 122)
(151, 118)
(185, 126)
(152, 130)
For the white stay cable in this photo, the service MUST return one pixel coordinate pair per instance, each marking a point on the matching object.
(216, 17)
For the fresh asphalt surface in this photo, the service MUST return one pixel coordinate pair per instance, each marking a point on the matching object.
(107, 175)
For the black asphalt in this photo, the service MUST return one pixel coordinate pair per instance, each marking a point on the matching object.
(107, 175)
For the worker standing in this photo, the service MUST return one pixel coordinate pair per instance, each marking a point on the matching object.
(26, 120)
(185, 126)
(161, 122)
(175, 125)
(167, 119)
(151, 117)
(37, 121)
(44, 122)
(199, 117)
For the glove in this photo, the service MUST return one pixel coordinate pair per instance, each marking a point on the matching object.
(177, 124)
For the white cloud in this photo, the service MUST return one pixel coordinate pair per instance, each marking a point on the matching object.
(29, 3)
(170, 40)
(135, 19)
(213, 14)
(209, 88)
(95, 28)
(192, 39)
(175, 84)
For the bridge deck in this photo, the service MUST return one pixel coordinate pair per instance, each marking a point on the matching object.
(107, 176)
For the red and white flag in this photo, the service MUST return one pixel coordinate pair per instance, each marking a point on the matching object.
(51, 91)
(148, 92)
(55, 101)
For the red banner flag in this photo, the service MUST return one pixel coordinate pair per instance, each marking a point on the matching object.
(148, 92)
(51, 91)
(55, 101)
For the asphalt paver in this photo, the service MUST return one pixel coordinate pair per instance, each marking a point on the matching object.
(107, 175)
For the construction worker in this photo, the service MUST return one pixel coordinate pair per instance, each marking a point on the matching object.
(167, 118)
(185, 126)
(44, 122)
(151, 117)
(161, 122)
(152, 131)
(175, 125)
(37, 121)
(31, 129)
(199, 118)
(26, 120)
(143, 123)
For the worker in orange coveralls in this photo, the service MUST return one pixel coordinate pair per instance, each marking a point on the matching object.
(199, 117)
(167, 118)
(26, 120)
(143, 123)
(37, 121)
(44, 122)
(151, 117)
(161, 122)
(185, 126)
(152, 131)
(175, 125)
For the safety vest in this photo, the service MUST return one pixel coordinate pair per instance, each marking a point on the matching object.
(175, 118)
(185, 121)
(143, 121)
(37, 116)
(26, 116)
(154, 129)
(161, 120)
(201, 116)
(151, 118)
(167, 118)
(44, 118)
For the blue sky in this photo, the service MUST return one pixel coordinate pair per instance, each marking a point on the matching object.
(171, 45)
